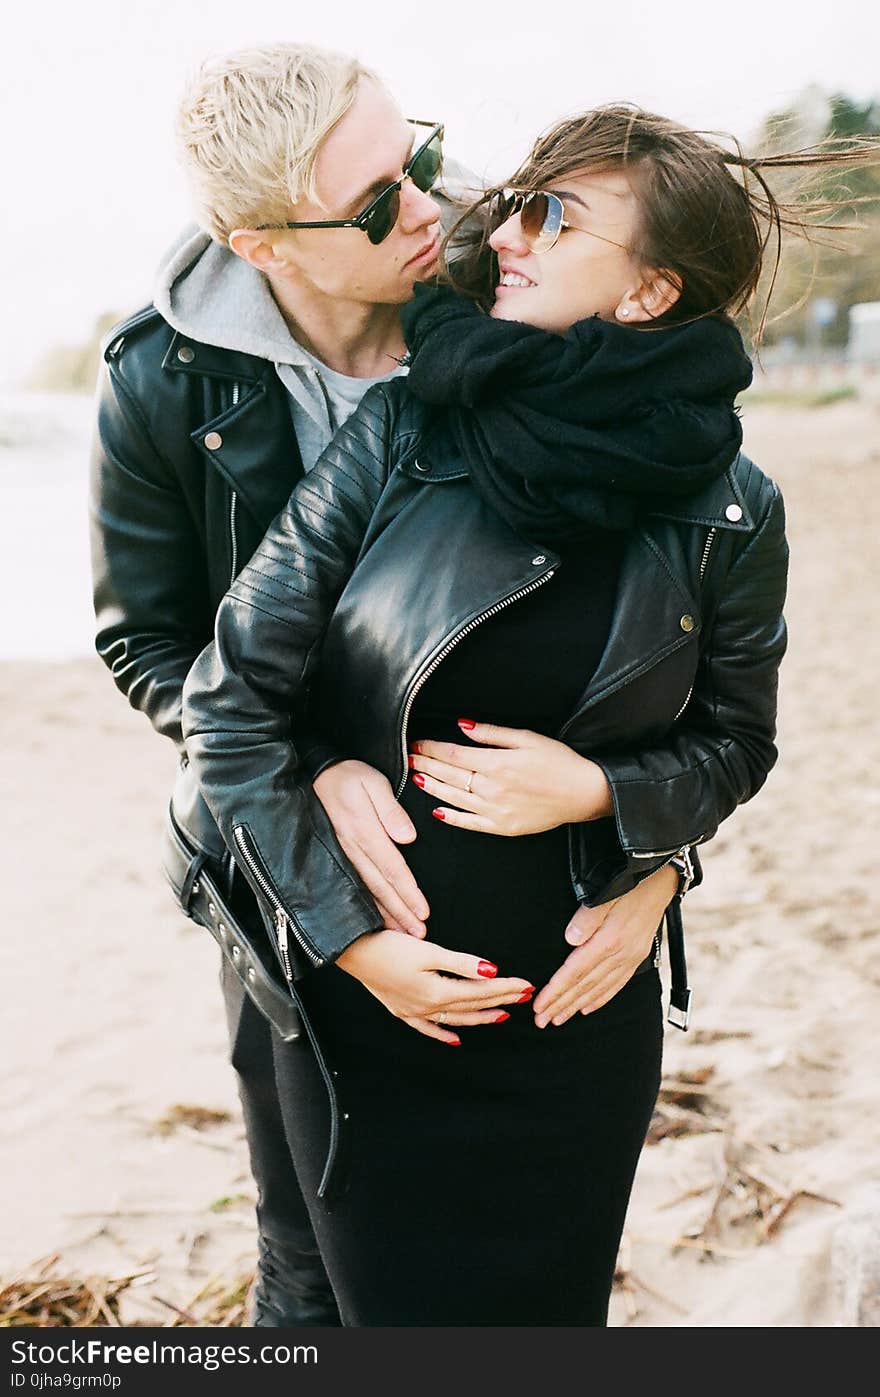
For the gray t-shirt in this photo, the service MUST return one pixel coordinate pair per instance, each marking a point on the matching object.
(329, 400)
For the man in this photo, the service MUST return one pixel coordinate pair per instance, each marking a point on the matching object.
(317, 216)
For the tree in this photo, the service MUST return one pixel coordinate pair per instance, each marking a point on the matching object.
(847, 272)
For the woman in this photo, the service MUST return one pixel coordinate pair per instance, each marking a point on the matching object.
(541, 579)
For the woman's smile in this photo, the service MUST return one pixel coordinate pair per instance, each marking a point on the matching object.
(511, 279)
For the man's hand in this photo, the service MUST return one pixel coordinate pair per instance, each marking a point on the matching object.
(369, 824)
(610, 940)
(520, 782)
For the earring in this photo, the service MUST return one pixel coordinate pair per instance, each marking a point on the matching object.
(624, 311)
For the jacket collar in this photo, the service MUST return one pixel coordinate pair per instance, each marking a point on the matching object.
(719, 505)
(188, 356)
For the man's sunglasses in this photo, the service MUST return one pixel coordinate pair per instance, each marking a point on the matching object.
(380, 216)
(541, 216)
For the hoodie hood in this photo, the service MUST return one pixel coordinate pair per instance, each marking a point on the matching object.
(208, 294)
(213, 297)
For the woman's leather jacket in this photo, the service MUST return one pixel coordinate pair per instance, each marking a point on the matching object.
(383, 559)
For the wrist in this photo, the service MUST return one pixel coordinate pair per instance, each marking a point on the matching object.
(667, 878)
(591, 793)
(352, 957)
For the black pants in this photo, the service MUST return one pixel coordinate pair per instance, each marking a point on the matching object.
(294, 1288)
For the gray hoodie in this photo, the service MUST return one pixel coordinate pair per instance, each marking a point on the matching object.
(209, 294)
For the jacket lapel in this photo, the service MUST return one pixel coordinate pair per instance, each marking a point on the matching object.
(655, 613)
(250, 440)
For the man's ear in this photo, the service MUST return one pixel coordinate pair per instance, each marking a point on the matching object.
(253, 246)
(652, 298)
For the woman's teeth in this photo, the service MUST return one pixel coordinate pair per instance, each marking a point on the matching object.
(514, 279)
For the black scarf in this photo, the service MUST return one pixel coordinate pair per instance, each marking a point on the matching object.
(563, 434)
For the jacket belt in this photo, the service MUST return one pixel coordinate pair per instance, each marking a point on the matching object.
(680, 994)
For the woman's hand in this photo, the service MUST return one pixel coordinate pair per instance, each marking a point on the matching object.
(405, 975)
(610, 940)
(369, 824)
(520, 782)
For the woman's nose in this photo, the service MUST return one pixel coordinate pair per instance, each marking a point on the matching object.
(508, 237)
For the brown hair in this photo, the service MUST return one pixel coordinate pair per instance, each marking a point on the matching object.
(707, 213)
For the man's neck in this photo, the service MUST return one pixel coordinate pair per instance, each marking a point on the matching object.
(361, 341)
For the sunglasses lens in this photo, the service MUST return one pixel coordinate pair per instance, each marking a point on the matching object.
(424, 169)
(541, 221)
(383, 216)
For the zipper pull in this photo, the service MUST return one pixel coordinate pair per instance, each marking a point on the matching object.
(281, 927)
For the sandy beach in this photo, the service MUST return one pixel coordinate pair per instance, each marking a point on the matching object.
(767, 1132)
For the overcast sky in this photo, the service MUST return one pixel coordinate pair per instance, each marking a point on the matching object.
(91, 193)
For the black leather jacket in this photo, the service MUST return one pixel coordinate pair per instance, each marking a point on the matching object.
(383, 559)
(193, 457)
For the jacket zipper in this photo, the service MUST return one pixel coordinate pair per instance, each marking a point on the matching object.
(450, 645)
(661, 853)
(233, 501)
(703, 562)
(284, 922)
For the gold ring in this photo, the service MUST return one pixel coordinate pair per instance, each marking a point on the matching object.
(441, 1017)
(470, 783)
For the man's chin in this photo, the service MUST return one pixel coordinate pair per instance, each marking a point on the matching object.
(428, 272)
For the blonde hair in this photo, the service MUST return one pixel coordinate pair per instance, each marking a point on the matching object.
(250, 126)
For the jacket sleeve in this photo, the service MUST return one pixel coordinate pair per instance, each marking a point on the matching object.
(240, 693)
(148, 567)
(152, 598)
(719, 753)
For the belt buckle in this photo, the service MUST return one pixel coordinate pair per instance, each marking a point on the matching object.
(680, 1018)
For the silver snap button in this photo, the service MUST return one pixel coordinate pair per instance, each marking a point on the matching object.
(422, 469)
(211, 908)
(185, 354)
(221, 927)
(346, 1116)
(213, 441)
(252, 974)
(687, 622)
(536, 562)
(236, 953)
(197, 887)
(734, 512)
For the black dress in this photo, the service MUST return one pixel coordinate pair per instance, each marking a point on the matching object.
(488, 1183)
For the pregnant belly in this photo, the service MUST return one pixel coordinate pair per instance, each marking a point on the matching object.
(505, 900)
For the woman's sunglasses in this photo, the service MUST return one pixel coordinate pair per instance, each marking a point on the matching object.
(380, 216)
(541, 217)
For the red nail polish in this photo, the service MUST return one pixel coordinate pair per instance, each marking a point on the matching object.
(524, 998)
(487, 969)
(452, 1042)
(501, 1017)
(415, 746)
(411, 762)
(438, 814)
(419, 780)
(467, 723)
